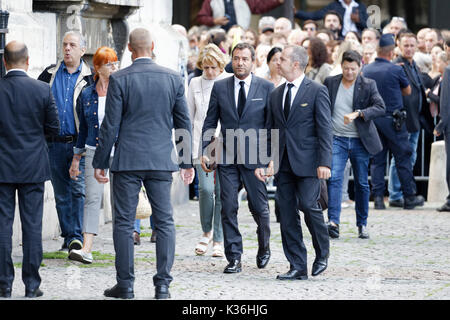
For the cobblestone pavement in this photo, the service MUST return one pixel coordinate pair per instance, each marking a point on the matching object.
(406, 257)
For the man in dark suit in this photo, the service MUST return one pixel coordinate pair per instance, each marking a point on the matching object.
(145, 102)
(240, 104)
(300, 110)
(443, 127)
(355, 102)
(417, 111)
(28, 114)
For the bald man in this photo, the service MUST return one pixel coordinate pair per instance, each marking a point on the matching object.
(28, 114)
(145, 102)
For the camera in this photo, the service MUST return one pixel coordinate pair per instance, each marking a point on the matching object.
(399, 116)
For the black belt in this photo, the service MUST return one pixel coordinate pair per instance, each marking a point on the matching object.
(63, 139)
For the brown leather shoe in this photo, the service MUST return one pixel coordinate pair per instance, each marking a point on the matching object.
(137, 239)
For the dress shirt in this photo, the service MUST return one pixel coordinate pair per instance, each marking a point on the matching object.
(237, 87)
(349, 25)
(63, 89)
(297, 83)
(11, 70)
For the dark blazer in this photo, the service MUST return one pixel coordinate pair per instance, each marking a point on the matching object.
(144, 103)
(367, 99)
(414, 117)
(307, 134)
(444, 113)
(222, 107)
(28, 113)
(335, 6)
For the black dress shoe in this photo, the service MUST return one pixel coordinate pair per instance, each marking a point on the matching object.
(396, 203)
(379, 203)
(118, 292)
(319, 266)
(263, 259)
(362, 232)
(293, 275)
(413, 201)
(233, 267)
(333, 230)
(444, 208)
(33, 293)
(5, 292)
(162, 292)
(153, 237)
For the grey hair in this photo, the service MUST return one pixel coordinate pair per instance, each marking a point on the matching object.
(423, 61)
(83, 43)
(298, 54)
(266, 21)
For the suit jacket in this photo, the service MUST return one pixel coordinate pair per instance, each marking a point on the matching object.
(415, 118)
(307, 134)
(222, 106)
(28, 113)
(367, 99)
(144, 103)
(444, 114)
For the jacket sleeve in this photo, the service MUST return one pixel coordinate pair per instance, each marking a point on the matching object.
(212, 118)
(51, 126)
(363, 17)
(191, 103)
(314, 15)
(262, 6)
(376, 107)
(83, 129)
(444, 102)
(323, 126)
(110, 125)
(183, 127)
(205, 15)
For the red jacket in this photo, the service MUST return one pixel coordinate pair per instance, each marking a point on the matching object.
(205, 15)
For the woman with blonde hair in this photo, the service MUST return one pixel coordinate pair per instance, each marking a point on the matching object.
(212, 61)
(91, 111)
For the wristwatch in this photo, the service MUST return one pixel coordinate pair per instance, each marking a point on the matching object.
(360, 114)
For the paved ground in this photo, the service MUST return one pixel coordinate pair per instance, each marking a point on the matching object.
(407, 257)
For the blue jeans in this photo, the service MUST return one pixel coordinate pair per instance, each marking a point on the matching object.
(210, 204)
(394, 186)
(344, 149)
(137, 225)
(69, 194)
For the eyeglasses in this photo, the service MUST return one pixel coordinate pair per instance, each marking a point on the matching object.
(111, 64)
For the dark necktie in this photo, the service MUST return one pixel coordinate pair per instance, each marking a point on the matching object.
(287, 101)
(241, 98)
(229, 10)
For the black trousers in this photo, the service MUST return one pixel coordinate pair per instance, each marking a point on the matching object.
(447, 152)
(231, 177)
(31, 204)
(126, 187)
(301, 193)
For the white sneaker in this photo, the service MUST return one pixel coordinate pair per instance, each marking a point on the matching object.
(81, 256)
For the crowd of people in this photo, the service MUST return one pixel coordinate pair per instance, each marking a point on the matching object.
(340, 95)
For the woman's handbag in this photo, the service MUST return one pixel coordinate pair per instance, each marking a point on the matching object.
(143, 210)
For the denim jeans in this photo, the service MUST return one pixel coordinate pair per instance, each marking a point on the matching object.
(137, 225)
(394, 186)
(210, 204)
(344, 149)
(69, 194)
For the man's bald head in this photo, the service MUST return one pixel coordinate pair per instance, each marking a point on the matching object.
(16, 55)
(140, 42)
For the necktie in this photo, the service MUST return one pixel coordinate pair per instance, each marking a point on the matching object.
(287, 101)
(241, 98)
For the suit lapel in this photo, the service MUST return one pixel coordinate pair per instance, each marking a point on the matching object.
(298, 97)
(251, 93)
(232, 97)
(356, 91)
(334, 89)
(279, 99)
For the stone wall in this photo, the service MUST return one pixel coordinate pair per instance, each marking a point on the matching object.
(41, 25)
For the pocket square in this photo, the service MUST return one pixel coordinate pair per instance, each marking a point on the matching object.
(257, 99)
(304, 105)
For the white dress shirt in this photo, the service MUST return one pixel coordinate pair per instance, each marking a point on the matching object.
(297, 83)
(237, 87)
(349, 25)
(10, 70)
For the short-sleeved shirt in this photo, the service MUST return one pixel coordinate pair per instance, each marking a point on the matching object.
(390, 79)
